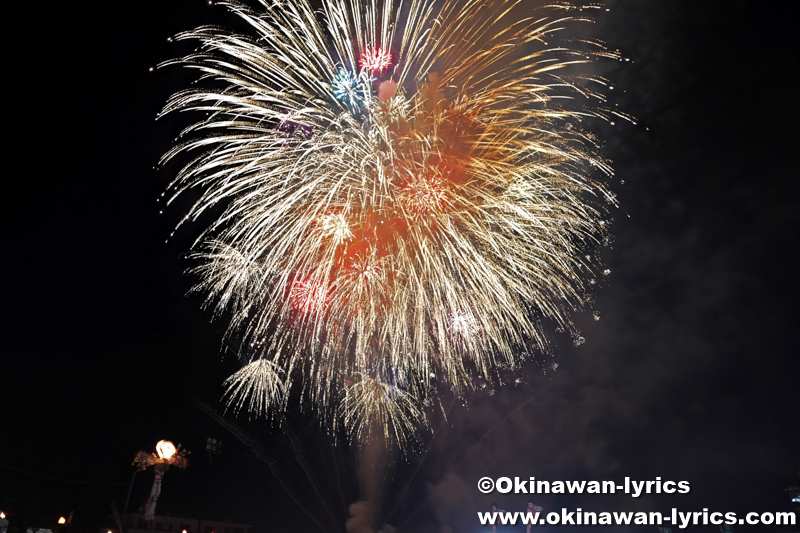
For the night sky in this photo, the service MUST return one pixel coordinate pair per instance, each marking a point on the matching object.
(691, 373)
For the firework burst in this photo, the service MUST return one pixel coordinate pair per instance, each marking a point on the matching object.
(372, 406)
(405, 189)
(348, 87)
(376, 59)
(258, 385)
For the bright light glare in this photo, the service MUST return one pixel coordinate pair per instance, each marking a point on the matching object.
(165, 449)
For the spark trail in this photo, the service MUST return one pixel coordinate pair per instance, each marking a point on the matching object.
(402, 193)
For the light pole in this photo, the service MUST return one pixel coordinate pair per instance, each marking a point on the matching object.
(213, 447)
(166, 454)
(127, 500)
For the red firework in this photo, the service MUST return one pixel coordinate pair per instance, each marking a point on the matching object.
(423, 196)
(376, 60)
(308, 297)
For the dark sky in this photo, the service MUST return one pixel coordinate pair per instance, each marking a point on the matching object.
(691, 373)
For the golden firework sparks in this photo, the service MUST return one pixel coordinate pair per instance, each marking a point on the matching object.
(397, 188)
(258, 385)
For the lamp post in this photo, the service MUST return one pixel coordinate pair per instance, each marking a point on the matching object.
(166, 454)
(213, 447)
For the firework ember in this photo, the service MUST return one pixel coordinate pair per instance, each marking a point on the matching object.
(423, 223)
(259, 385)
(376, 59)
